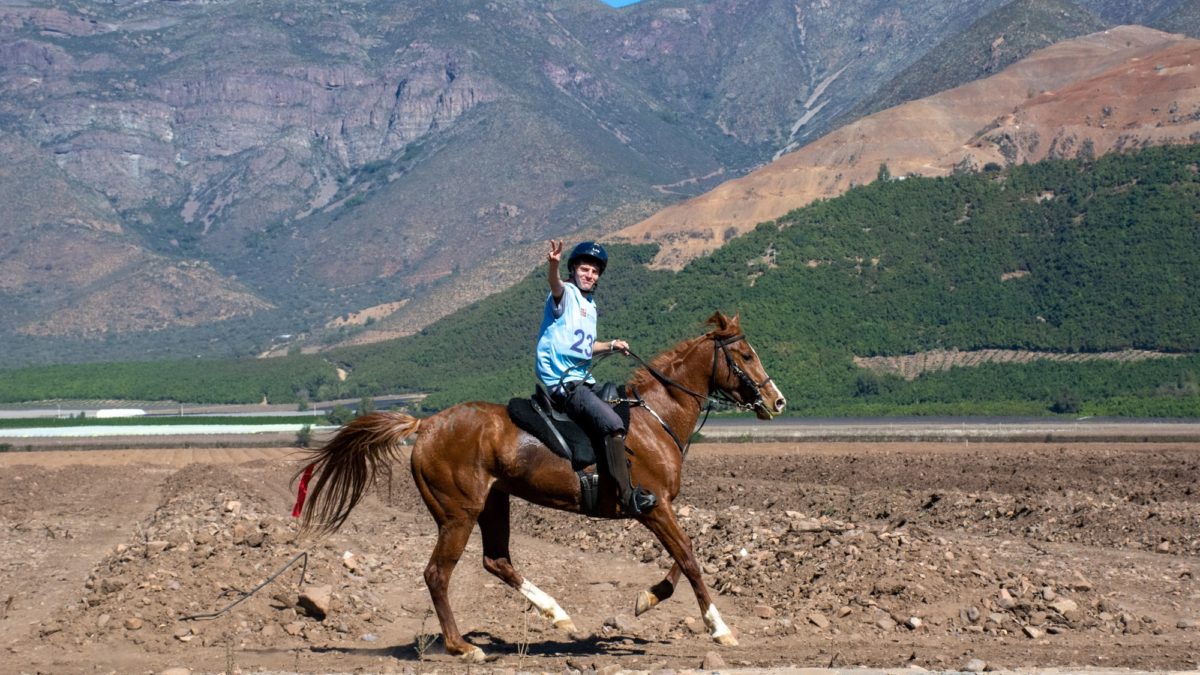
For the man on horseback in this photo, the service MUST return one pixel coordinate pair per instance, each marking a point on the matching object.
(565, 345)
(470, 459)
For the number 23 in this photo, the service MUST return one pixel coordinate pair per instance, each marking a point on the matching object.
(579, 345)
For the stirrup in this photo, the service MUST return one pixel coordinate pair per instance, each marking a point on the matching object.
(640, 501)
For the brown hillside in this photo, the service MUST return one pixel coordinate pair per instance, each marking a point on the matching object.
(67, 261)
(157, 292)
(912, 366)
(1126, 87)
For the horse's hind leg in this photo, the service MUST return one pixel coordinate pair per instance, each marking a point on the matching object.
(662, 523)
(494, 526)
(453, 533)
(649, 599)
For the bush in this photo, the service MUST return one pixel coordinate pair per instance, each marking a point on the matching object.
(1183, 386)
(366, 405)
(866, 384)
(1066, 402)
(340, 415)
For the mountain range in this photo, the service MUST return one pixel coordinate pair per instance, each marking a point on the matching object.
(220, 178)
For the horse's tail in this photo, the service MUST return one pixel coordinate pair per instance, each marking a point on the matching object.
(348, 464)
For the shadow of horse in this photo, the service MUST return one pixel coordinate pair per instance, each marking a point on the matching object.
(420, 649)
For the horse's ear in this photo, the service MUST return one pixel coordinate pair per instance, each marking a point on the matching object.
(723, 323)
(719, 321)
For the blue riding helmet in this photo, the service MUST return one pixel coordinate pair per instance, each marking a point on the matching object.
(590, 250)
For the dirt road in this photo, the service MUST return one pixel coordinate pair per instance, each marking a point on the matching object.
(876, 554)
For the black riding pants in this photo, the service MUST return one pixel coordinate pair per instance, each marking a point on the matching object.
(587, 410)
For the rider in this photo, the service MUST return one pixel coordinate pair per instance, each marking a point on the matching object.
(565, 345)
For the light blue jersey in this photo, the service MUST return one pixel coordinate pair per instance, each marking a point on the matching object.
(564, 346)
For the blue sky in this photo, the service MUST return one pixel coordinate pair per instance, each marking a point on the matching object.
(619, 3)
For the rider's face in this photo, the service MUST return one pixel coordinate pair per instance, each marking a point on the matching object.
(586, 276)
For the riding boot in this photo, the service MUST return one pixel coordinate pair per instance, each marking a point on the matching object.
(634, 500)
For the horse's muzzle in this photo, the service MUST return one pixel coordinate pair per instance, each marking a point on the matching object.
(771, 406)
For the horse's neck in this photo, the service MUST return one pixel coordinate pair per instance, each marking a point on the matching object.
(691, 369)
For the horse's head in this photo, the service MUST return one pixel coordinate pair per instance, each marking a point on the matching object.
(738, 372)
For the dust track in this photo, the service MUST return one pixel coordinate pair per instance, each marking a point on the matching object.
(820, 554)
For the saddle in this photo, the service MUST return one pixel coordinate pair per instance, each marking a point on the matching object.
(539, 417)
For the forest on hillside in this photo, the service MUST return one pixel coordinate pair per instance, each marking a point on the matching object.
(1061, 256)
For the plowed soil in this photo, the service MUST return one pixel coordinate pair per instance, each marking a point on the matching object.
(836, 554)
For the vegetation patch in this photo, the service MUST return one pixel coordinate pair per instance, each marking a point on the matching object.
(146, 420)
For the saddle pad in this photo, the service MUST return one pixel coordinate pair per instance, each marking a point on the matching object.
(582, 450)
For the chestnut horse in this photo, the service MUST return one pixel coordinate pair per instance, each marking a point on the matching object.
(469, 459)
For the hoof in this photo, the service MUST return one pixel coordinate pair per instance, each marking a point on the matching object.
(469, 654)
(473, 655)
(645, 602)
(566, 625)
(727, 640)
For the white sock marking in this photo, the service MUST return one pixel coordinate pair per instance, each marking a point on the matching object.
(712, 618)
(547, 605)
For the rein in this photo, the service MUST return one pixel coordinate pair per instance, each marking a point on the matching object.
(721, 346)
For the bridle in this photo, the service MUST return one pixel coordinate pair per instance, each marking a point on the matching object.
(721, 346)
(759, 402)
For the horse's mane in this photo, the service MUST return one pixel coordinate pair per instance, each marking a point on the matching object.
(723, 327)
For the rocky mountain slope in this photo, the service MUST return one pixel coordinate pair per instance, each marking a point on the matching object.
(195, 177)
(1122, 88)
(996, 40)
(993, 43)
(316, 160)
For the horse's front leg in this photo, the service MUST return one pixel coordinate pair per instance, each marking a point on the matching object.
(494, 528)
(663, 524)
(649, 599)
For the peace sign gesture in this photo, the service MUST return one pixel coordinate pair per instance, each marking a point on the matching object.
(555, 255)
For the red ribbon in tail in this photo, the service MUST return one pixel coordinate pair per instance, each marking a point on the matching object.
(302, 490)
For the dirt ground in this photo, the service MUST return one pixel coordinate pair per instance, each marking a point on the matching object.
(1014, 555)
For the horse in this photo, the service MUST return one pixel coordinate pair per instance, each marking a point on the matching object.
(468, 460)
